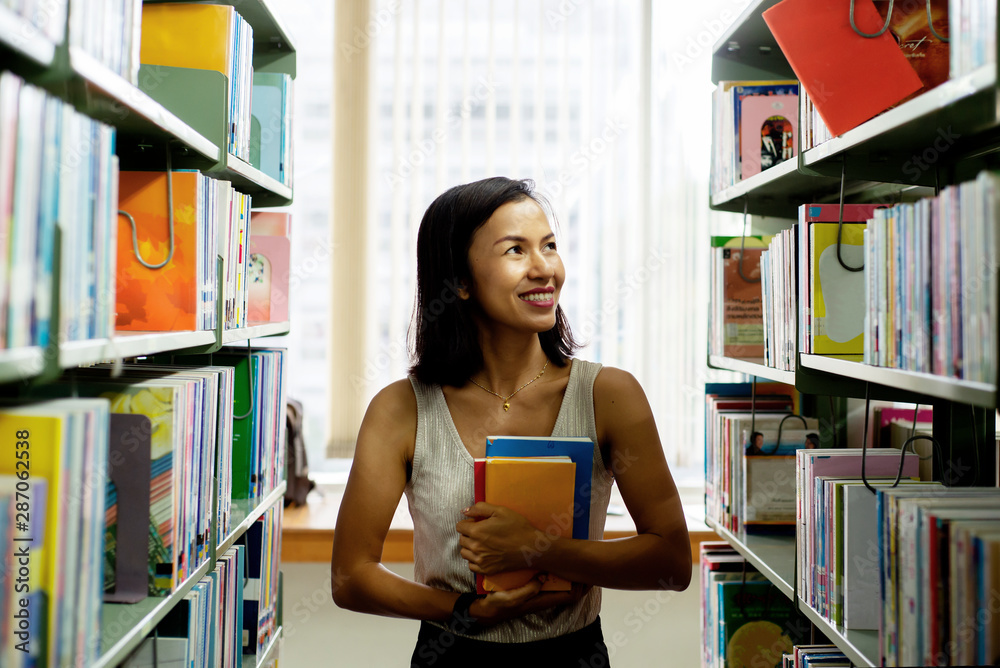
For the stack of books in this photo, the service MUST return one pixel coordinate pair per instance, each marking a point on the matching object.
(831, 295)
(205, 628)
(745, 620)
(973, 35)
(548, 481)
(778, 272)
(210, 220)
(755, 127)
(206, 37)
(831, 494)
(938, 576)
(814, 656)
(107, 30)
(45, 185)
(749, 475)
(930, 284)
(55, 620)
(261, 583)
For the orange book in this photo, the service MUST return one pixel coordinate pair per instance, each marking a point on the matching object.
(743, 314)
(541, 489)
(158, 300)
(849, 78)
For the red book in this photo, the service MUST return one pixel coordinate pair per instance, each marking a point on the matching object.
(849, 78)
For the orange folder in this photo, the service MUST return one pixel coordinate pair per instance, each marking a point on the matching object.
(158, 300)
(849, 78)
(541, 489)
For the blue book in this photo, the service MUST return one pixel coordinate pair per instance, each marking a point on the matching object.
(580, 450)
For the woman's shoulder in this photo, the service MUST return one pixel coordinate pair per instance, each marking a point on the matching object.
(396, 401)
(614, 387)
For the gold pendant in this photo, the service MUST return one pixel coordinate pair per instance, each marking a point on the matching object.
(506, 406)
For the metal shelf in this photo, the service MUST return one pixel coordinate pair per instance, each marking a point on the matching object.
(245, 512)
(21, 363)
(125, 625)
(757, 55)
(774, 557)
(265, 190)
(951, 389)
(894, 126)
(129, 344)
(255, 332)
(270, 652)
(112, 99)
(20, 36)
(751, 367)
(777, 191)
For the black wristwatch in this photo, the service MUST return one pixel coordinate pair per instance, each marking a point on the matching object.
(462, 620)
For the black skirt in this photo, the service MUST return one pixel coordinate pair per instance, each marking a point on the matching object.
(437, 648)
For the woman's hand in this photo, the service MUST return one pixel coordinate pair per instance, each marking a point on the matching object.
(495, 539)
(500, 606)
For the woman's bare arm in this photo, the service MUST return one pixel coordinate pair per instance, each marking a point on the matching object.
(378, 476)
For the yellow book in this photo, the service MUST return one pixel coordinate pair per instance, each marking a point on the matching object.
(838, 295)
(541, 489)
(46, 459)
(188, 35)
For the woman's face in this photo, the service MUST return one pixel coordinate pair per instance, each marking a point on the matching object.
(516, 270)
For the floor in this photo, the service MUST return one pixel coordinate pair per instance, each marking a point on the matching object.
(642, 629)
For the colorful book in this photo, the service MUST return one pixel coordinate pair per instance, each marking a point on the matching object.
(926, 54)
(849, 78)
(541, 489)
(188, 35)
(737, 295)
(580, 451)
(768, 132)
(267, 278)
(166, 299)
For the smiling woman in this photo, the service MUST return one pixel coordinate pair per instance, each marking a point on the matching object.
(489, 326)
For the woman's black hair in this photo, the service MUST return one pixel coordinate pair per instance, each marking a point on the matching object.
(445, 337)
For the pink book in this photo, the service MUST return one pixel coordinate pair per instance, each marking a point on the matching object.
(768, 131)
(271, 223)
(267, 279)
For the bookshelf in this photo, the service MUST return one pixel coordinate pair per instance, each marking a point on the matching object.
(145, 126)
(14, 38)
(963, 116)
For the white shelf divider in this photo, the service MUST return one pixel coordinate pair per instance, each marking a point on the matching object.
(129, 344)
(751, 368)
(952, 389)
(255, 332)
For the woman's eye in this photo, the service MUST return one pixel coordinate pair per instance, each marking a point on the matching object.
(551, 245)
(513, 249)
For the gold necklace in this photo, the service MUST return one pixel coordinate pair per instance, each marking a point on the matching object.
(506, 400)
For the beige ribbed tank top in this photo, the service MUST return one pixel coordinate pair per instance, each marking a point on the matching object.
(441, 485)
